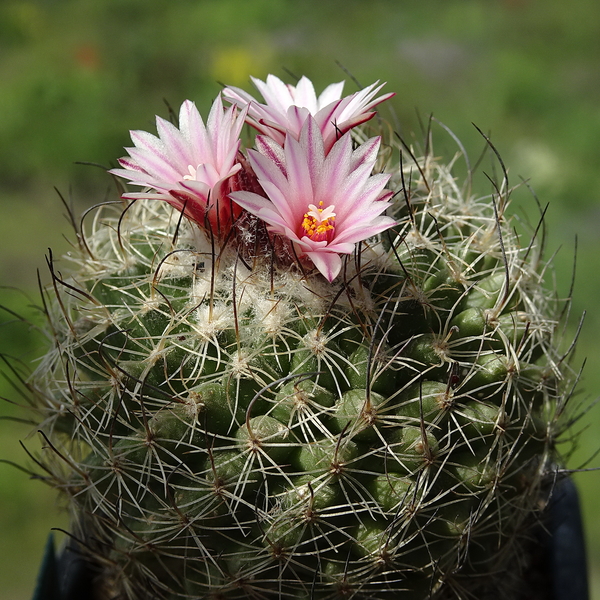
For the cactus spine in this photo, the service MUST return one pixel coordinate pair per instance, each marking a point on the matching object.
(228, 422)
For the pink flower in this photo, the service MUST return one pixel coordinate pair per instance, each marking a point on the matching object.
(287, 108)
(324, 204)
(189, 167)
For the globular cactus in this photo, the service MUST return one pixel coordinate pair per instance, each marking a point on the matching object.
(310, 370)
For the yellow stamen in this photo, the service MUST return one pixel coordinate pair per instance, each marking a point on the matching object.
(318, 221)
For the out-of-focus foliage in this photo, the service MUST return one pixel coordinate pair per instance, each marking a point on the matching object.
(76, 76)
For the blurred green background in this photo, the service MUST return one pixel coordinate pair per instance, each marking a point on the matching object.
(76, 75)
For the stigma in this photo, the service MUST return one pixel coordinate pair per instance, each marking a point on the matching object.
(192, 173)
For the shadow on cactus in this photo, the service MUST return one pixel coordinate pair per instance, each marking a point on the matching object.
(319, 368)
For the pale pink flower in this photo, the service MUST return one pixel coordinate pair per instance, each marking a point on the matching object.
(189, 167)
(287, 108)
(324, 204)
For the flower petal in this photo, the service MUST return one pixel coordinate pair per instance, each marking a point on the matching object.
(329, 264)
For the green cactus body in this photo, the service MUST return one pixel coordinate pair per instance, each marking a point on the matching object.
(227, 426)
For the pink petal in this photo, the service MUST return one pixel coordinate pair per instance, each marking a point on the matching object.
(305, 95)
(331, 93)
(250, 201)
(295, 117)
(336, 169)
(174, 143)
(275, 92)
(311, 143)
(194, 131)
(267, 170)
(199, 190)
(154, 164)
(299, 178)
(329, 264)
(273, 151)
(356, 234)
(262, 208)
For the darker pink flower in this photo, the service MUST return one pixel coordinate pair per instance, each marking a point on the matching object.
(190, 167)
(324, 204)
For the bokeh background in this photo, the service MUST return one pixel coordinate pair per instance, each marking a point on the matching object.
(76, 75)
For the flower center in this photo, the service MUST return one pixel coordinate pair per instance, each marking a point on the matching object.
(318, 223)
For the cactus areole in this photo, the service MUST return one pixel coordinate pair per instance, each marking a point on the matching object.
(315, 365)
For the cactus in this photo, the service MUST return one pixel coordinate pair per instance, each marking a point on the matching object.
(237, 409)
